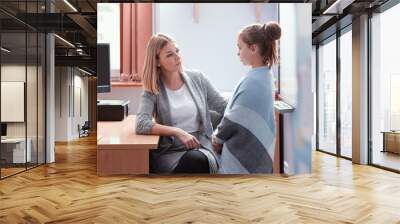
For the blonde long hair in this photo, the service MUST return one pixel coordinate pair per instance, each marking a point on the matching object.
(151, 71)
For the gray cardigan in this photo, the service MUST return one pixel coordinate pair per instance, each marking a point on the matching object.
(206, 98)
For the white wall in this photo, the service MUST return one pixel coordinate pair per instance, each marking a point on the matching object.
(80, 114)
(69, 85)
(61, 103)
(210, 45)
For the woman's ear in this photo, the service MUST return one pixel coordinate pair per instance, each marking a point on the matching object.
(254, 48)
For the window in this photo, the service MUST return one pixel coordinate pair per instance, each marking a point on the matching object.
(327, 96)
(385, 87)
(108, 31)
(346, 94)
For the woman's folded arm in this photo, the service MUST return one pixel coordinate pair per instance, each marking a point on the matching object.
(144, 119)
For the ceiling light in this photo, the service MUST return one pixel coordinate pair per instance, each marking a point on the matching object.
(64, 40)
(70, 5)
(337, 7)
(5, 50)
(86, 72)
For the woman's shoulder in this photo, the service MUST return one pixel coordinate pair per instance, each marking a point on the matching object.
(149, 95)
(194, 73)
(196, 76)
(252, 84)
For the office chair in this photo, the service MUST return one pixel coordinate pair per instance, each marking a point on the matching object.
(84, 130)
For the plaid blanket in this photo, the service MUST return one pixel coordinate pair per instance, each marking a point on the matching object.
(247, 130)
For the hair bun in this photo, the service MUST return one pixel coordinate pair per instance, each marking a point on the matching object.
(272, 31)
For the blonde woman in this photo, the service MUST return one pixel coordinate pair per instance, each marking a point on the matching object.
(180, 101)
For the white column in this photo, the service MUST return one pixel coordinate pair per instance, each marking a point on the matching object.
(50, 98)
(50, 92)
(360, 90)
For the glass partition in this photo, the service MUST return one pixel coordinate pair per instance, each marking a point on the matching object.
(22, 88)
(13, 103)
(31, 98)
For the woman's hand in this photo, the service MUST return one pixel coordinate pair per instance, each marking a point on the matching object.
(216, 146)
(187, 139)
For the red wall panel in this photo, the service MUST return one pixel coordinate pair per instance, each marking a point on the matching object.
(136, 30)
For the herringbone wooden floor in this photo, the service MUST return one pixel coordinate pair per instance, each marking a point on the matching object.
(69, 191)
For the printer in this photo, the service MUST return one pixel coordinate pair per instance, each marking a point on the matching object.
(112, 110)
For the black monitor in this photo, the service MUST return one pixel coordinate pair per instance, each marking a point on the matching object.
(3, 129)
(103, 68)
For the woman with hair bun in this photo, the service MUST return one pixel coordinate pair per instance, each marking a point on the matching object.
(245, 138)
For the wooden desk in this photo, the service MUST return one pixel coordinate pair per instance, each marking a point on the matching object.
(120, 150)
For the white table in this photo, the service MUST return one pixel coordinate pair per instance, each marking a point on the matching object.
(18, 150)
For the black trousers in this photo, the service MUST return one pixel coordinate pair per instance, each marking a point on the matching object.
(193, 161)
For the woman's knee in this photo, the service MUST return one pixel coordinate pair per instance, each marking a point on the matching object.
(195, 156)
(193, 161)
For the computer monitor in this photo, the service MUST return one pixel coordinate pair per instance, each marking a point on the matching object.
(103, 68)
(3, 129)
